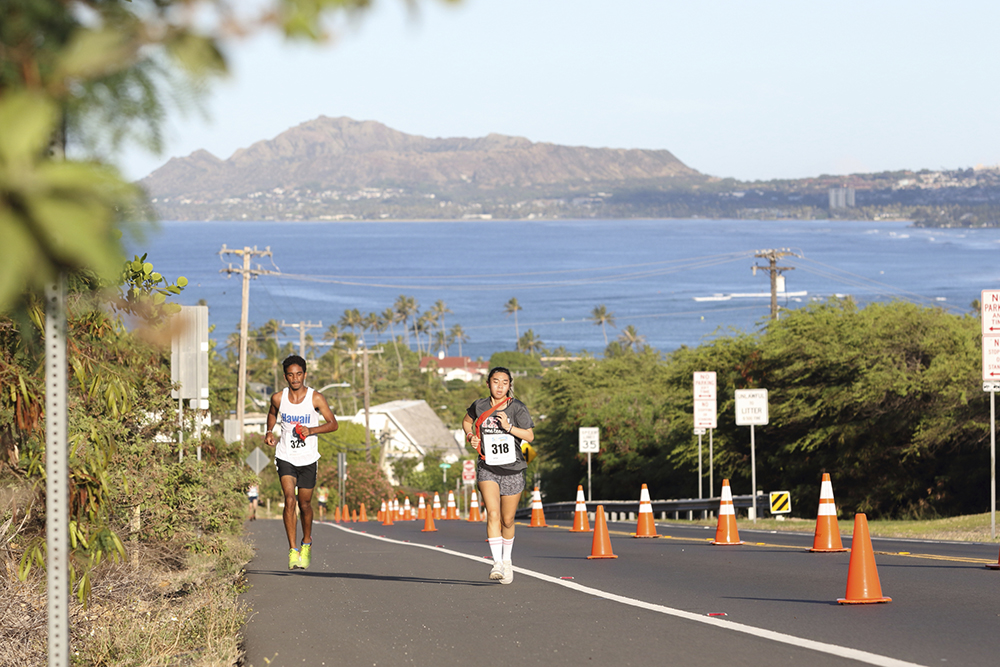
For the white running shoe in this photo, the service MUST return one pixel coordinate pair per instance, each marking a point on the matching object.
(498, 572)
(508, 572)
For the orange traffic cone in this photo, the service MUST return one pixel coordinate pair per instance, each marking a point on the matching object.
(346, 514)
(396, 516)
(421, 507)
(863, 586)
(581, 524)
(602, 540)
(387, 519)
(994, 566)
(436, 508)
(725, 531)
(474, 508)
(646, 526)
(363, 516)
(827, 536)
(407, 514)
(381, 513)
(336, 516)
(354, 516)
(429, 523)
(452, 514)
(537, 513)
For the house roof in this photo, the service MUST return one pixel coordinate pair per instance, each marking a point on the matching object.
(421, 425)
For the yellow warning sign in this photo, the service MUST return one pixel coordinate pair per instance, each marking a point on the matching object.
(781, 502)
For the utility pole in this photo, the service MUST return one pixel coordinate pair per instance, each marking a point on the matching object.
(302, 327)
(368, 434)
(772, 257)
(247, 273)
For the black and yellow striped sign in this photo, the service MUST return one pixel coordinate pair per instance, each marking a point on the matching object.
(781, 502)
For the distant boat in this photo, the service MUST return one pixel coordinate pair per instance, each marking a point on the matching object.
(748, 295)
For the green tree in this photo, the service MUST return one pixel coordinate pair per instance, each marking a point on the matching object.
(529, 343)
(630, 338)
(511, 308)
(457, 335)
(603, 318)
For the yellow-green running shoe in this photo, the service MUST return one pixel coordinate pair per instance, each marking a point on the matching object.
(293, 559)
(305, 555)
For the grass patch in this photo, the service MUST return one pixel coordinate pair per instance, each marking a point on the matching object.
(968, 528)
(165, 606)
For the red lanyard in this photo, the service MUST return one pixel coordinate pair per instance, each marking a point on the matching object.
(483, 417)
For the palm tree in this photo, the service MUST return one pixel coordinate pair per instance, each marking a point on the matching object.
(457, 335)
(352, 318)
(372, 323)
(406, 307)
(441, 341)
(629, 337)
(390, 316)
(529, 343)
(601, 316)
(513, 306)
(439, 309)
(421, 326)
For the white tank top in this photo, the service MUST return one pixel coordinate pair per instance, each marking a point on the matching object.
(290, 446)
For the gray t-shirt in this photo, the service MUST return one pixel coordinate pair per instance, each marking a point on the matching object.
(519, 417)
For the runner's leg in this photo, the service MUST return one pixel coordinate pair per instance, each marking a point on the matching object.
(306, 508)
(508, 508)
(490, 492)
(288, 489)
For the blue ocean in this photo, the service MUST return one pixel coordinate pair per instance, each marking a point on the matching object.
(677, 282)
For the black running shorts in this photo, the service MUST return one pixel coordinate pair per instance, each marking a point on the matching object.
(305, 476)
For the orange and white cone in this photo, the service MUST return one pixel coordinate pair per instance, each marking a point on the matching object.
(863, 586)
(387, 518)
(421, 507)
(364, 514)
(646, 526)
(406, 509)
(726, 531)
(474, 508)
(581, 524)
(537, 513)
(827, 536)
(601, 546)
(429, 526)
(436, 509)
(381, 513)
(452, 512)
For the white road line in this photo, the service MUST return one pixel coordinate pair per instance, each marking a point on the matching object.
(822, 647)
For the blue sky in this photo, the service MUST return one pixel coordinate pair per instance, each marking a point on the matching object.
(754, 90)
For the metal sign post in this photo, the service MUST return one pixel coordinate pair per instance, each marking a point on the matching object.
(56, 474)
(751, 410)
(590, 443)
(989, 315)
(705, 417)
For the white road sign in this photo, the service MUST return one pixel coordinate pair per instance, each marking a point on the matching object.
(705, 414)
(751, 407)
(704, 386)
(469, 471)
(590, 440)
(991, 357)
(989, 306)
(257, 460)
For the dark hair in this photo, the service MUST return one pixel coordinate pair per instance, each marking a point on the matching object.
(510, 376)
(293, 359)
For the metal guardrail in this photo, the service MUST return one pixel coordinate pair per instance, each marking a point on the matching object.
(690, 507)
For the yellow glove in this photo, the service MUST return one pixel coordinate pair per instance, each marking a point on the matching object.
(528, 451)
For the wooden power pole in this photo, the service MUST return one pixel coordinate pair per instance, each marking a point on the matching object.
(368, 434)
(247, 273)
(772, 257)
(302, 327)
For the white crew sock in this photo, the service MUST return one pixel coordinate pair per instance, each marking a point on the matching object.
(508, 546)
(496, 546)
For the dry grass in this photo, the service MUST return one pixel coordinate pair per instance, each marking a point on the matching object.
(970, 528)
(163, 607)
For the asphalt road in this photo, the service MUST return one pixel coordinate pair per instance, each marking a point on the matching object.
(394, 595)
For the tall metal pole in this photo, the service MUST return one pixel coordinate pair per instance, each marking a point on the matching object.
(753, 474)
(700, 474)
(993, 464)
(56, 474)
(589, 497)
(241, 386)
(711, 482)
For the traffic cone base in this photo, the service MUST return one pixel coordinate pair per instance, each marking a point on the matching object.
(601, 547)
(863, 585)
(429, 526)
(826, 538)
(537, 513)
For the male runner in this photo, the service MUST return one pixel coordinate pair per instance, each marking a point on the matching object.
(297, 450)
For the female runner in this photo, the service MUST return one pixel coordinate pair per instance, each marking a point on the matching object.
(495, 427)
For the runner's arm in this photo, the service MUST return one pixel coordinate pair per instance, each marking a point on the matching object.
(323, 407)
(272, 419)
